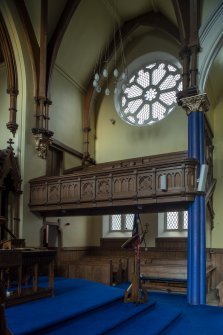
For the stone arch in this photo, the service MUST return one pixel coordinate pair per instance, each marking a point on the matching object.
(211, 41)
(12, 77)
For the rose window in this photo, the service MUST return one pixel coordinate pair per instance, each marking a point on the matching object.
(150, 94)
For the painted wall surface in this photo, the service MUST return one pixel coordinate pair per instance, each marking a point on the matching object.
(71, 161)
(217, 233)
(4, 103)
(66, 111)
(122, 141)
(156, 42)
(80, 231)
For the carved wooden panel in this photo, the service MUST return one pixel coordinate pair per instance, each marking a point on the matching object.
(53, 192)
(174, 179)
(38, 194)
(103, 188)
(190, 179)
(124, 186)
(88, 189)
(146, 184)
(70, 191)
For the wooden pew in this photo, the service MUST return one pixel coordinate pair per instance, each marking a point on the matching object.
(99, 271)
(164, 261)
(168, 277)
(119, 267)
(170, 274)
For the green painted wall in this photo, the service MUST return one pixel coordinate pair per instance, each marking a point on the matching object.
(4, 99)
(122, 141)
(217, 233)
(66, 111)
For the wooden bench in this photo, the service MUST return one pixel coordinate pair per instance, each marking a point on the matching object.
(99, 271)
(119, 266)
(170, 275)
(165, 261)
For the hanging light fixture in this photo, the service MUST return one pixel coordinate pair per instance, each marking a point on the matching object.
(102, 77)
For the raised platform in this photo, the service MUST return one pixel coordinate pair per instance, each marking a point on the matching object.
(82, 307)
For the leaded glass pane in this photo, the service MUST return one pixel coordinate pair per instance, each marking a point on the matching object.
(172, 222)
(185, 220)
(129, 219)
(144, 79)
(116, 223)
(154, 86)
(133, 92)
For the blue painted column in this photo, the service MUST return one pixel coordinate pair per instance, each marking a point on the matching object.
(196, 269)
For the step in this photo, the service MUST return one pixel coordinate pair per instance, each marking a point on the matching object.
(100, 320)
(152, 322)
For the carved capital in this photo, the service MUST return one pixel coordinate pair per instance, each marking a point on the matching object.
(43, 139)
(196, 103)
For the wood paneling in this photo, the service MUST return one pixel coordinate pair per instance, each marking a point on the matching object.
(171, 243)
(122, 185)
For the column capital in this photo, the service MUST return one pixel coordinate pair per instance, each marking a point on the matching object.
(195, 103)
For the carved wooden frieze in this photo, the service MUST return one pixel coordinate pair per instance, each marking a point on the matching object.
(146, 184)
(38, 194)
(190, 179)
(70, 191)
(124, 186)
(88, 189)
(104, 186)
(173, 177)
(53, 193)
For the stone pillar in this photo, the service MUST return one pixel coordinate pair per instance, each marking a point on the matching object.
(195, 107)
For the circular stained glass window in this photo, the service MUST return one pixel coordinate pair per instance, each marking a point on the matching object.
(150, 94)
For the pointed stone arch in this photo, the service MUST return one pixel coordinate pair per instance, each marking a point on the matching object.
(11, 71)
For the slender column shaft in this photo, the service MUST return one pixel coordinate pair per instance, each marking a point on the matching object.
(196, 271)
(196, 234)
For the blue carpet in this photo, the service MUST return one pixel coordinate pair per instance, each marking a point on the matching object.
(72, 298)
(152, 323)
(83, 307)
(196, 320)
(100, 320)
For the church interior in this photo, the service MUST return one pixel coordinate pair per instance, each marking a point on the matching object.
(110, 167)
